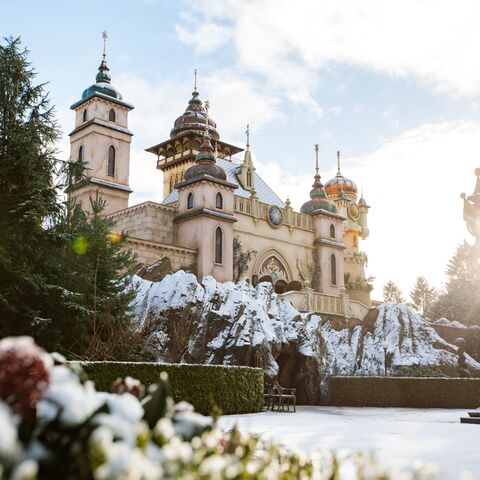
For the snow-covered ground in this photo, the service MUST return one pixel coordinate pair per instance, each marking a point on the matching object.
(398, 436)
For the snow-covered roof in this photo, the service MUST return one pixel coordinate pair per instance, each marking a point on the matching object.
(264, 193)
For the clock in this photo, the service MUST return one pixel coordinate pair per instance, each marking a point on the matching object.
(353, 212)
(274, 216)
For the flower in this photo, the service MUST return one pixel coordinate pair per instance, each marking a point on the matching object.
(24, 374)
(127, 385)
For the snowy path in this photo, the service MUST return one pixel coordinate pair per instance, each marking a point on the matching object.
(399, 436)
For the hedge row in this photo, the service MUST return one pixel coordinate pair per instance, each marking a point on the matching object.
(405, 392)
(233, 389)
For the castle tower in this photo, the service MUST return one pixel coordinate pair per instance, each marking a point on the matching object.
(328, 256)
(178, 153)
(343, 192)
(102, 140)
(205, 212)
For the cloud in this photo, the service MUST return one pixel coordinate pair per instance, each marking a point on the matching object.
(434, 42)
(413, 183)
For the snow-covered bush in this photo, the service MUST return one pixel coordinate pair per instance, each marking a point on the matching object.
(72, 431)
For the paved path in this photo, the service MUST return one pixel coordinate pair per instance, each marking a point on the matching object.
(399, 436)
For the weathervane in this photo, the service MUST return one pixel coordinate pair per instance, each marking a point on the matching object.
(104, 36)
(338, 163)
(316, 158)
(247, 131)
(195, 83)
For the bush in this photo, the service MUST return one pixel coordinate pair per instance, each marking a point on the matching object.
(405, 392)
(232, 389)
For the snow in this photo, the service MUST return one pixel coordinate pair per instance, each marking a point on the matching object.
(398, 436)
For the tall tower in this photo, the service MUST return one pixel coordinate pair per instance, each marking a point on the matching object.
(343, 192)
(178, 153)
(102, 140)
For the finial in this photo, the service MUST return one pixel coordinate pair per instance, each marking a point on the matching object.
(316, 158)
(207, 108)
(247, 131)
(104, 36)
(195, 82)
(338, 163)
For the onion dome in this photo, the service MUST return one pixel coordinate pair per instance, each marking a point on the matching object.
(205, 163)
(340, 183)
(318, 197)
(194, 118)
(103, 84)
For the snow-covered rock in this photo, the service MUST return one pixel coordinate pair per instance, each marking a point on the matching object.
(237, 324)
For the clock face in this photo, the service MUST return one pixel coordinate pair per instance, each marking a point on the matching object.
(275, 216)
(353, 212)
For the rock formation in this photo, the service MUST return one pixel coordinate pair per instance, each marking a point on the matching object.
(237, 324)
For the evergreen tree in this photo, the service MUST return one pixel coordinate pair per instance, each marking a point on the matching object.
(460, 301)
(422, 295)
(60, 269)
(391, 293)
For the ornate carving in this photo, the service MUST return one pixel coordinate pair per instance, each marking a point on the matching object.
(241, 259)
(274, 268)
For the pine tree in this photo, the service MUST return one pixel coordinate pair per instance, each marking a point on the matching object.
(60, 269)
(422, 295)
(391, 293)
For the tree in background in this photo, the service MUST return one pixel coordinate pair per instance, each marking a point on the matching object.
(60, 269)
(422, 295)
(460, 301)
(391, 293)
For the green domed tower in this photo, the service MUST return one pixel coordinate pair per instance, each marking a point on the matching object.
(101, 139)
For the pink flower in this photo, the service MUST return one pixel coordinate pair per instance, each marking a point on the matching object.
(24, 374)
(127, 384)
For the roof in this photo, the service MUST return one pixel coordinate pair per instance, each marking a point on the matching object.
(264, 193)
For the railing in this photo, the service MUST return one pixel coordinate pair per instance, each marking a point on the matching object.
(259, 210)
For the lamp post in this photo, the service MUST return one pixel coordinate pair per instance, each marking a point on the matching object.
(385, 346)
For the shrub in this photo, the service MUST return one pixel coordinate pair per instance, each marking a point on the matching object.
(405, 392)
(232, 389)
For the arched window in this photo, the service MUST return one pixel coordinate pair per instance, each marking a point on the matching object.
(80, 154)
(111, 161)
(333, 269)
(190, 201)
(85, 115)
(332, 231)
(218, 245)
(249, 178)
(111, 115)
(219, 200)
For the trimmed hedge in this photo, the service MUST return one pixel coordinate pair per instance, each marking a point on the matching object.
(411, 392)
(233, 389)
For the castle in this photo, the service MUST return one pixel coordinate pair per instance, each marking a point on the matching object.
(218, 216)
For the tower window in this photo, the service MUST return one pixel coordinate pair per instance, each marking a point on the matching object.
(219, 201)
(249, 178)
(111, 115)
(218, 245)
(332, 231)
(80, 154)
(111, 161)
(85, 115)
(190, 201)
(333, 269)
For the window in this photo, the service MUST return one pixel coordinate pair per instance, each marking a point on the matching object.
(190, 201)
(333, 270)
(85, 115)
(219, 200)
(332, 231)
(249, 178)
(218, 245)
(80, 154)
(111, 115)
(111, 161)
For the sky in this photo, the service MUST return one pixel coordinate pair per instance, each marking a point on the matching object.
(395, 86)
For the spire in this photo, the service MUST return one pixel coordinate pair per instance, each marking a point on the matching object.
(339, 173)
(103, 75)
(247, 131)
(195, 82)
(317, 187)
(206, 154)
(316, 158)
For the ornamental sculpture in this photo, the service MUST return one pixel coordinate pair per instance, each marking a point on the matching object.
(471, 212)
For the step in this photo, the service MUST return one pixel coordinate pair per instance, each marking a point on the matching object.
(474, 420)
